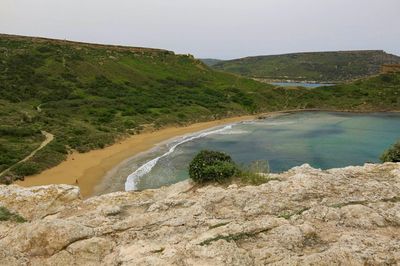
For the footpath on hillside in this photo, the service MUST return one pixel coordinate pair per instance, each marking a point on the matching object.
(48, 138)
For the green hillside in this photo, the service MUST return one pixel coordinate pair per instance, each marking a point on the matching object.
(378, 93)
(320, 66)
(210, 61)
(89, 95)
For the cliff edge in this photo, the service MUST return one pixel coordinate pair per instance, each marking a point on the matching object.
(304, 216)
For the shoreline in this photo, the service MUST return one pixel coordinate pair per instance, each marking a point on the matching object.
(89, 168)
(111, 182)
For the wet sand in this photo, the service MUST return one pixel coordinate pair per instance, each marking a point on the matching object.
(87, 170)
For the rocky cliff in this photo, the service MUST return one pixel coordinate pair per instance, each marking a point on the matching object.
(348, 216)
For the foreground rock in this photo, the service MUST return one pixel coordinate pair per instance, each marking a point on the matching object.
(347, 216)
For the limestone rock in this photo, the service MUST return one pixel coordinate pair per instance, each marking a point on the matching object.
(306, 216)
(37, 202)
(45, 237)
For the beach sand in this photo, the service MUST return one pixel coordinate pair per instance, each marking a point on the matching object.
(87, 170)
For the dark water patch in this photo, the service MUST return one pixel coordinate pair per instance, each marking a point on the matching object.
(323, 132)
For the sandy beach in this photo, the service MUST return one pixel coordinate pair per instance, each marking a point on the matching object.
(87, 170)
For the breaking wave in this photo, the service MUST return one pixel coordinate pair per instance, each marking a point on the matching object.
(133, 178)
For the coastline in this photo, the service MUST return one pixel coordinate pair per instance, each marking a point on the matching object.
(89, 169)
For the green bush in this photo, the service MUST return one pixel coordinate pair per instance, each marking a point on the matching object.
(18, 131)
(220, 171)
(6, 215)
(26, 168)
(212, 166)
(217, 166)
(392, 154)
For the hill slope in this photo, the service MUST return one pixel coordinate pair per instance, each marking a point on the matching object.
(321, 66)
(90, 95)
(210, 61)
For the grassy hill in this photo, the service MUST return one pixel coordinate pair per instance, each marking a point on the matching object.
(90, 95)
(210, 61)
(320, 66)
(377, 93)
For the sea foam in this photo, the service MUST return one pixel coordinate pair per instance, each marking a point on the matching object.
(132, 179)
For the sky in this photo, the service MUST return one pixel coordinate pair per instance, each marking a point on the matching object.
(223, 29)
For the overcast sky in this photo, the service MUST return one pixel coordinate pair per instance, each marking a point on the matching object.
(212, 28)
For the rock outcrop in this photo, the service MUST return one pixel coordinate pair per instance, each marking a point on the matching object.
(348, 216)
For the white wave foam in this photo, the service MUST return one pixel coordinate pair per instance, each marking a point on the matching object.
(133, 178)
(278, 123)
(234, 132)
(268, 122)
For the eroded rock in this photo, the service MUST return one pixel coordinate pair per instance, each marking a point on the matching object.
(348, 216)
(37, 202)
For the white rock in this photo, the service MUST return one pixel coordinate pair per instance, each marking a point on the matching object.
(347, 216)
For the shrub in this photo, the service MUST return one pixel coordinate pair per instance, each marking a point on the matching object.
(18, 131)
(255, 179)
(387, 78)
(220, 171)
(256, 173)
(26, 168)
(392, 154)
(6, 215)
(212, 166)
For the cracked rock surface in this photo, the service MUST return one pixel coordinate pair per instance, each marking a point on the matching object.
(347, 216)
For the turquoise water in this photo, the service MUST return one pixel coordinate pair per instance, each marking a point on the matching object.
(300, 84)
(322, 139)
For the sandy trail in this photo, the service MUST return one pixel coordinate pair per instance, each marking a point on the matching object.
(49, 138)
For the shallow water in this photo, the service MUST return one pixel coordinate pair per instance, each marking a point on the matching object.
(322, 139)
(300, 84)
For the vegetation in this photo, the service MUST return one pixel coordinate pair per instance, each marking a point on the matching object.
(378, 93)
(210, 61)
(322, 66)
(392, 154)
(212, 166)
(256, 173)
(6, 215)
(88, 96)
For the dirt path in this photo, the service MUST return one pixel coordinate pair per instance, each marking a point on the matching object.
(49, 138)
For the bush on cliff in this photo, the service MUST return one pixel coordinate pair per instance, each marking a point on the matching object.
(212, 166)
(392, 154)
(256, 173)
(6, 215)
